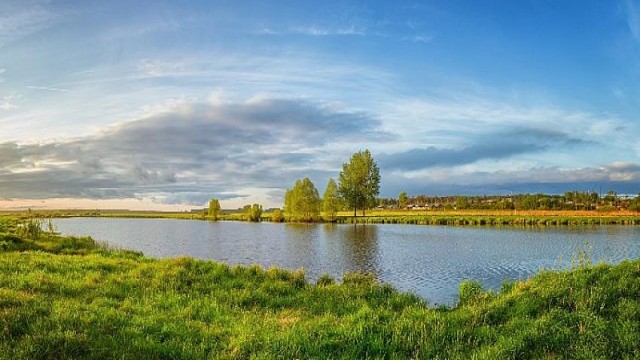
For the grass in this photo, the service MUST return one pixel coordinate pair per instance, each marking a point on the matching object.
(63, 297)
(493, 220)
(391, 216)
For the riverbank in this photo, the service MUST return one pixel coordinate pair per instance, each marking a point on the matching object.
(68, 297)
(412, 217)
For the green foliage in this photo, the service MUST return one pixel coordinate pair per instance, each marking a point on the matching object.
(101, 304)
(253, 212)
(529, 202)
(277, 216)
(302, 202)
(359, 181)
(325, 280)
(214, 209)
(402, 199)
(635, 204)
(462, 203)
(570, 200)
(331, 202)
(31, 228)
(470, 291)
(492, 220)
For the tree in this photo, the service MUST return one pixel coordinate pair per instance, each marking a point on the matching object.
(214, 209)
(635, 204)
(302, 202)
(529, 202)
(359, 181)
(253, 213)
(402, 200)
(331, 200)
(462, 203)
(277, 216)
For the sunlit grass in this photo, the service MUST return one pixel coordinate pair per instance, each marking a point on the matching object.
(64, 297)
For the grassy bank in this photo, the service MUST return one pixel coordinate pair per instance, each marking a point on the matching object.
(412, 217)
(63, 297)
(493, 220)
(494, 217)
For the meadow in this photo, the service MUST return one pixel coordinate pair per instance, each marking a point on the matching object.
(390, 216)
(67, 297)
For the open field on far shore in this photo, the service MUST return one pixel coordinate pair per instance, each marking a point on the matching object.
(494, 217)
(390, 216)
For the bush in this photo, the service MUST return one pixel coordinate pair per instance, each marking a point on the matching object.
(470, 291)
(277, 216)
(324, 280)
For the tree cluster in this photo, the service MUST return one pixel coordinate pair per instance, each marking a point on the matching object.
(570, 200)
(302, 202)
(253, 212)
(357, 188)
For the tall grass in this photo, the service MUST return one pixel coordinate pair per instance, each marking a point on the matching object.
(63, 298)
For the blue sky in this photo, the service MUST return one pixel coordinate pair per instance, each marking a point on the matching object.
(165, 104)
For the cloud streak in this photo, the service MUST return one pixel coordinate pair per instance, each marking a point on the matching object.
(493, 146)
(46, 88)
(325, 31)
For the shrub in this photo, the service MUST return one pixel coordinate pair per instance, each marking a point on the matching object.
(470, 291)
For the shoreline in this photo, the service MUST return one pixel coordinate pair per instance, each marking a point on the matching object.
(440, 218)
(72, 298)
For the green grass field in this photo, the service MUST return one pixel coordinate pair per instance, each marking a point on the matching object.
(64, 297)
(411, 217)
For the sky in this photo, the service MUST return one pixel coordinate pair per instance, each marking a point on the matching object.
(166, 104)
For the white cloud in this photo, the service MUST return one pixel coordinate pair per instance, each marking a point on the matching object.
(423, 39)
(312, 30)
(156, 68)
(46, 88)
(7, 103)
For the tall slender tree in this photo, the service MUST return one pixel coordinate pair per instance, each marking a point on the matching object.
(331, 201)
(359, 181)
(214, 209)
(402, 200)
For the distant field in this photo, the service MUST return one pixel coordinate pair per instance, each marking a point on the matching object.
(401, 212)
(391, 216)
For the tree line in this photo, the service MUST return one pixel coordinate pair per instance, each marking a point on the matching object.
(570, 200)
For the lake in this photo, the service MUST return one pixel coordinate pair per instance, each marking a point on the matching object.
(429, 261)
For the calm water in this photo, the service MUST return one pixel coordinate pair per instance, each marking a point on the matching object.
(429, 261)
